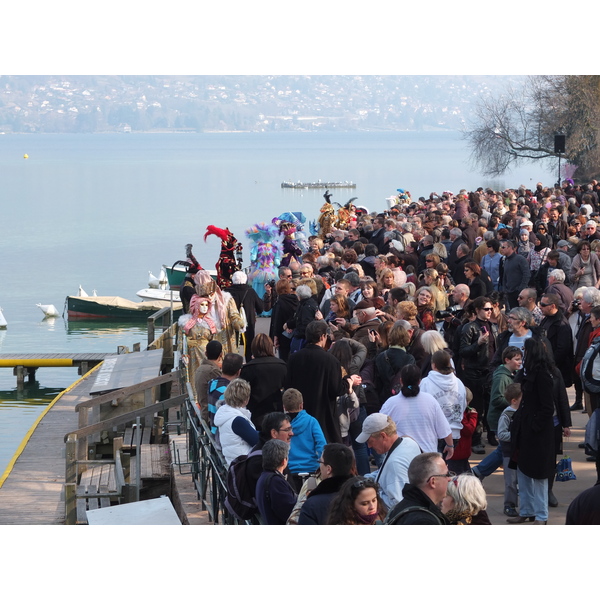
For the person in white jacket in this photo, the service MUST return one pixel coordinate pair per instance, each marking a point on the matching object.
(236, 432)
(447, 389)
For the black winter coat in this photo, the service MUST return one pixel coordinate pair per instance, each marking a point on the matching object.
(315, 510)
(412, 496)
(266, 376)
(532, 429)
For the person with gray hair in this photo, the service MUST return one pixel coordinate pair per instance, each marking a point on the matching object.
(590, 297)
(556, 285)
(275, 497)
(236, 432)
(428, 478)
(246, 297)
(527, 298)
(307, 311)
(521, 327)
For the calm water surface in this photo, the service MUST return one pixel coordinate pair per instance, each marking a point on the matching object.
(101, 211)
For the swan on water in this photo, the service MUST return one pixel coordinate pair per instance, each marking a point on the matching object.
(49, 310)
(153, 281)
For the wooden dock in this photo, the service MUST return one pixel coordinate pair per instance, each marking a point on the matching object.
(32, 488)
(32, 494)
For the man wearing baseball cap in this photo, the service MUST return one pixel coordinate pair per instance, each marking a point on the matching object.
(380, 434)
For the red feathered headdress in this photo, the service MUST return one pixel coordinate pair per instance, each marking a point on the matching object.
(224, 234)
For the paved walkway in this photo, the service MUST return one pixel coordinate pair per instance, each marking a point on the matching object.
(565, 492)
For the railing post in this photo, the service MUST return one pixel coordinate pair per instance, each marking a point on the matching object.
(71, 480)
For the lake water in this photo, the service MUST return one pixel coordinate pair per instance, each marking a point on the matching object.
(101, 211)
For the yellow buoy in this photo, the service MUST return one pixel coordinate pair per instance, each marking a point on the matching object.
(25, 155)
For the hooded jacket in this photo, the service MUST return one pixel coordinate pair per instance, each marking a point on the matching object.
(451, 395)
(306, 445)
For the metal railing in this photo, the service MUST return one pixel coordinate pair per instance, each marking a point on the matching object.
(207, 465)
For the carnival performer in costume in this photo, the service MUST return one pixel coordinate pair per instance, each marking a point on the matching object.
(199, 329)
(294, 242)
(265, 255)
(327, 216)
(223, 311)
(188, 287)
(343, 216)
(227, 264)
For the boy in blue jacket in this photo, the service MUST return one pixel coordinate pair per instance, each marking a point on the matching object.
(306, 446)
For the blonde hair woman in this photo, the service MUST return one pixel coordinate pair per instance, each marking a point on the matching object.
(431, 278)
(465, 501)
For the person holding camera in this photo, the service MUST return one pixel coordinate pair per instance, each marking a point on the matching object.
(476, 350)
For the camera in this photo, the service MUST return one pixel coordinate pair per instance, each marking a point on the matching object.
(452, 311)
(576, 303)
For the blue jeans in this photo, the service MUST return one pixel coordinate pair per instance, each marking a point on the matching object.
(489, 464)
(533, 497)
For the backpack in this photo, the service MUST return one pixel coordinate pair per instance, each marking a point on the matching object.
(592, 434)
(239, 499)
(395, 383)
(589, 382)
(242, 312)
(393, 517)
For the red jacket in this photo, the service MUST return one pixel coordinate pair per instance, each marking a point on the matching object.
(469, 422)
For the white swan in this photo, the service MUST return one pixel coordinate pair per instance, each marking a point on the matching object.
(49, 310)
(153, 282)
(3, 322)
(82, 293)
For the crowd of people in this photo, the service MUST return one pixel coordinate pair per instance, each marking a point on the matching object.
(402, 343)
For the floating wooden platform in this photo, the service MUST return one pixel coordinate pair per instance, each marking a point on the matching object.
(53, 360)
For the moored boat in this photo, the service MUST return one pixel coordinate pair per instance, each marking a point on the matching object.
(158, 294)
(115, 307)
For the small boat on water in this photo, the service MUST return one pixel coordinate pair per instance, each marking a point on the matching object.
(318, 184)
(115, 307)
(176, 274)
(159, 294)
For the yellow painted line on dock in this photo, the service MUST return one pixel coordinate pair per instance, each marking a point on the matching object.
(36, 362)
(28, 435)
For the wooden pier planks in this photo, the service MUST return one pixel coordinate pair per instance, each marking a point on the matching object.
(33, 492)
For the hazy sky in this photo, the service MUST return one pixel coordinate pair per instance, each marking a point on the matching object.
(271, 37)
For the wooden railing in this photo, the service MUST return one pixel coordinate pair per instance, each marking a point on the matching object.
(80, 454)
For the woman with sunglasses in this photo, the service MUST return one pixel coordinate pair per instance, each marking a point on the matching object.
(357, 503)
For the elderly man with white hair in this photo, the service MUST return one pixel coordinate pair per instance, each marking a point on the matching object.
(556, 285)
(591, 231)
(245, 296)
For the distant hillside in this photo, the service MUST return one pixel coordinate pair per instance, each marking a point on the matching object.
(90, 104)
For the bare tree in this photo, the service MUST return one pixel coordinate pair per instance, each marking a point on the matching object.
(520, 125)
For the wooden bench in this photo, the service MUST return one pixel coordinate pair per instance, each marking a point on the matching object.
(100, 485)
